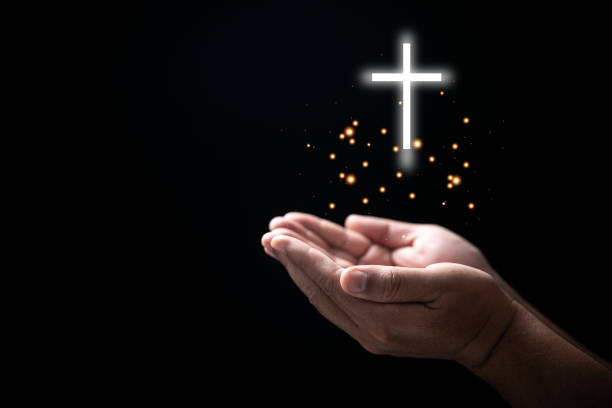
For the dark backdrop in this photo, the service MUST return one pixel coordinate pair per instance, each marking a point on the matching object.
(212, 106)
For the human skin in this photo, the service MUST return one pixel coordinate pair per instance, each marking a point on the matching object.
(430, 293)
(392, 242)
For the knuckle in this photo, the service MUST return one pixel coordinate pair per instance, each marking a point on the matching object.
(313, 295)
(484, 284)
(323, 282)
(390, 284)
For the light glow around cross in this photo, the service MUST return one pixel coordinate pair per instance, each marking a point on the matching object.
(406, 78)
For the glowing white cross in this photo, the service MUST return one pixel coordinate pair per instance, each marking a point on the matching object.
(406, 78)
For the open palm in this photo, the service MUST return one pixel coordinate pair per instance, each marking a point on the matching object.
(366, 240)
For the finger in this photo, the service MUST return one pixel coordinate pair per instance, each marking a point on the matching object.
(390, 233)
(408, 256)
(335, 235)
(338, 258)
(282, 222)
(317, 297)
(265, 243)
(322, 270)
(310, 237)
(391, 284)
(376, 255)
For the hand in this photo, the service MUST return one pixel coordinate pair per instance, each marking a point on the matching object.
(442, 311)
(381, 241)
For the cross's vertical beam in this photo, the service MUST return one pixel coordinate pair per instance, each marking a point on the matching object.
(406, 96)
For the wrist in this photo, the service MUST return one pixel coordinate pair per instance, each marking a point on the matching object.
(499, 350)
(477, 353)
(524, 367)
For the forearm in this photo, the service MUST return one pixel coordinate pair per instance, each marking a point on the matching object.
(536, 313)
(533, 366)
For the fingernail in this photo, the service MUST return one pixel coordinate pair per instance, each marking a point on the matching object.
(275, 244)
(356, 281)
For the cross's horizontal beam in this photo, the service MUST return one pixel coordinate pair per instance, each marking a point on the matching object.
(416, 77)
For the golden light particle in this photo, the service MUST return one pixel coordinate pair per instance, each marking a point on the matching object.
(466, 164)
(351, 179)
(471, 206)
(382, 189)
(352, 140)
(355, 123)
(332, 156)
(443, 203)
(412, 196)
(349, 131)
(455, 146)
(368, 144)
(404, 236)
(341, 175)
(456, 180)
(332, 206)
(365, 200)
(441, 92)
(308, 145)
(399, 174)
(432, 159)
(383, 131)
(449, 185)
(365, 163)
(396, 149)
(417, 144)
(341, 136)
(399, 102)
(449, 177)
(466, 120)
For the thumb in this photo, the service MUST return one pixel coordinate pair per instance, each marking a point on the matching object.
(390, 284)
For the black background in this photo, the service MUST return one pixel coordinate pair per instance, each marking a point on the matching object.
(212, 106)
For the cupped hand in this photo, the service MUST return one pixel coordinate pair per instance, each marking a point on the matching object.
(381, 241)
(445, 310)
